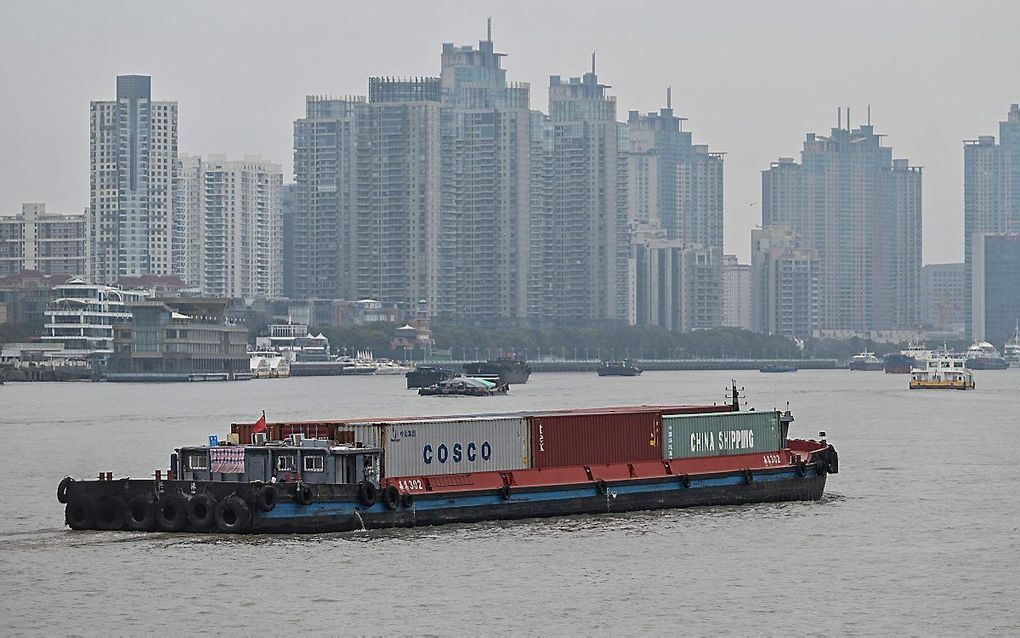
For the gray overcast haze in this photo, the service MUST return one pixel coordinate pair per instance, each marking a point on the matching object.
(751, 77)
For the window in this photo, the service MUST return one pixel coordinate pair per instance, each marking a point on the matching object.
(198, 461)
(313, 463)
(285, 463)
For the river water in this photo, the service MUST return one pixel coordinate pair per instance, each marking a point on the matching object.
(918, 534)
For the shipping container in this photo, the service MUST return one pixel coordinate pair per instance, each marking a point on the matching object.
(589, 438)
(685, 437)
(429, 446)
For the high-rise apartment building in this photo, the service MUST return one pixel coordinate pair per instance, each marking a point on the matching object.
(736, 290)
(860, 213)
(995, 286)
(234, 226)
(785, 284)
(133, 153)
(991, 191)
(944, 305)
(582, 265)
(50, 243)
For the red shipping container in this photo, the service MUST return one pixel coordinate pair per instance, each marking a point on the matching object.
(592, 438)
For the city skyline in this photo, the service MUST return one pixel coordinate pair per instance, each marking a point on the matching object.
(752, 112)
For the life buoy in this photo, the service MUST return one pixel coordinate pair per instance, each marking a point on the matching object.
(685, 480)
(801, 469)
(391, 497)
(265, 498)
(201, 512)
(601, 486)
(141, 515)
(407, 500)
(748, 477)
(303, 493)
(109, 512)
(62, 489)
(171, 512)
(78, 513)
(367, 493)
(505, 491)
(233, 515)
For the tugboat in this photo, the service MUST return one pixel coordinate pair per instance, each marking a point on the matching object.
(465, 387)
(944, 371)
(777, 367)
(509, 369)
(1011, 351)
(983, 356)
(424, 376)
(359, 474)
(866, 361)
(623, 368)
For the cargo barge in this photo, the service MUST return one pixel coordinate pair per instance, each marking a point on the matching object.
(364, 474)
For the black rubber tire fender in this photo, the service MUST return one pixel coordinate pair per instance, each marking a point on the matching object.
(265, 498)
(65, 483)
(407, 501)
(78, 513)
(821, 468)
(391, 498)
(367, 493)
(171, 512)
(302, 493)
(801, 469)
(602, 487)
(233, 516)
(685, 480)
(748, 476)
(201, 512)
(110, 512)
(140, 514)
(505, 492)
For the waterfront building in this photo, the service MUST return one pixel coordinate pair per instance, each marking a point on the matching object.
(859, 211)
(736, 293)
(234, 219)
(47, 242)
(133, 162)
(944, 298)
(785, 284)
(83, 317)
(991, 193)
(995, 286)
(671, 285)
(25, 295)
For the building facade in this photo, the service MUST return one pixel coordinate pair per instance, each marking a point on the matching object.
(736, 289)
(785, 284)
(860, 213)
(133, 161)
(991, 192)
(47, 242)
(995, 286)
(944, 297)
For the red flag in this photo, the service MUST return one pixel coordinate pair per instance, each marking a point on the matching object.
(260, 425)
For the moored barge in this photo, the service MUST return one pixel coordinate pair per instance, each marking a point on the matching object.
(363, 474)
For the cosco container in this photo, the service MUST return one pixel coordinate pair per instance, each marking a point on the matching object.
(692, 436)
(595, 438)
(456, 446)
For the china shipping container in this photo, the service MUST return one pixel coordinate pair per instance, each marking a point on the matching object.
(592, 438)
(692, 436)
(455, 446)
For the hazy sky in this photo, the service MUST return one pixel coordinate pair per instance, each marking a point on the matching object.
(752, 77)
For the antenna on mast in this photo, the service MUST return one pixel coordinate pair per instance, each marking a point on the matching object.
(488, 29)
(869, 115)
(839, 117)
(669, 97)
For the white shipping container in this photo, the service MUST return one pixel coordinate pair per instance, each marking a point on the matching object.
(456, 446)
(370, 434)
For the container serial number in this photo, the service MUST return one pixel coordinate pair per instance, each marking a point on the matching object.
(412, 485)
(773, 459)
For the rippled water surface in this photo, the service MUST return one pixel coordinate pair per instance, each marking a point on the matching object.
(918, 534)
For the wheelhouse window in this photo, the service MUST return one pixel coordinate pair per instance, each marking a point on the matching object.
(314, 463)
(198, 461)
(285, 463)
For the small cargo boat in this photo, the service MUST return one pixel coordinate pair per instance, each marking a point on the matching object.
(355, 474)
(777, 367)
(424, 376)
(508, 369)
(465, 387)
(624, 368)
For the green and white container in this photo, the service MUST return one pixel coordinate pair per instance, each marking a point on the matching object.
(724, 434)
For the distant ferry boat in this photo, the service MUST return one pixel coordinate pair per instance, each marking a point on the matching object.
(944, 371)
(983, 356)
(866, 361)
(1011, 352)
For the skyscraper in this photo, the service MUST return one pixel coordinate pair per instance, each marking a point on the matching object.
(995, 286)
(860, 213)
(991, 190)
(785, 283)
(48, 242)
(736, 288)
(133, 152)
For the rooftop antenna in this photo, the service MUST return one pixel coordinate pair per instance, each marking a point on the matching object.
(488, 29)
(848, 118)
(669, 97)
(869, 115)
(593, 63)
(839, 117)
